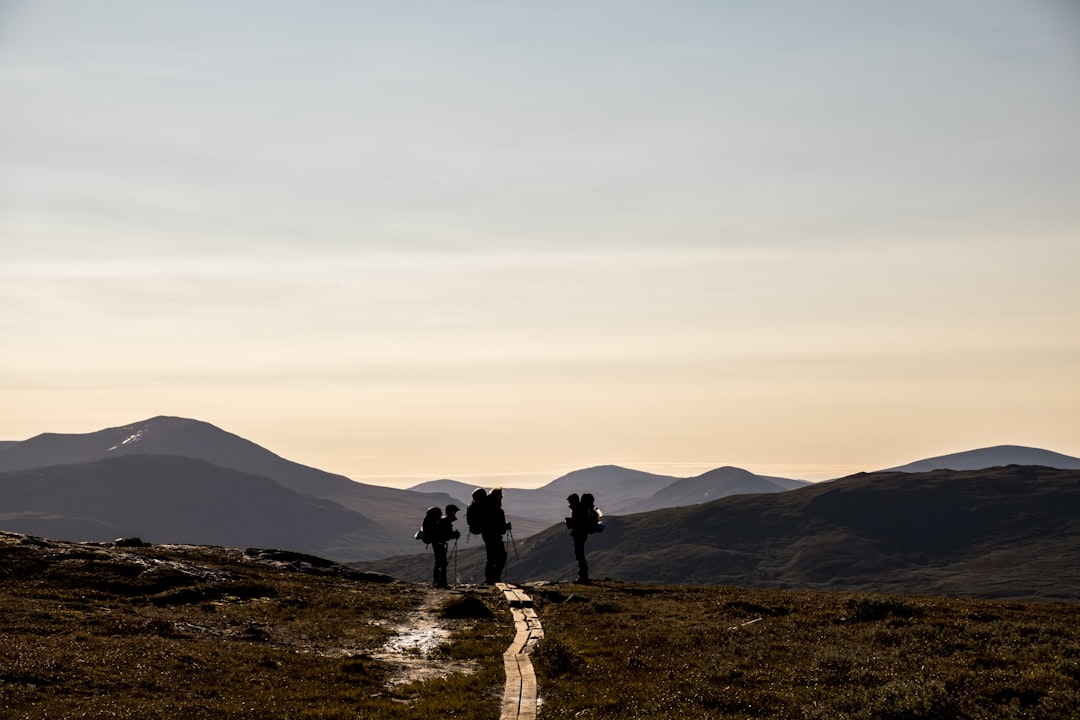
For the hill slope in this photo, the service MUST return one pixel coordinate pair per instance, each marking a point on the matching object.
(1007, 532)
(394, 513)
(169, 499)
(998, 456)
(713, 485)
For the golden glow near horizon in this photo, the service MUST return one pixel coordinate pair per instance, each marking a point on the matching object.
(498, 244)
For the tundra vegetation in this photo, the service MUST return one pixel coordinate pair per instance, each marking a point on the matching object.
(645, 651)
(200, 632)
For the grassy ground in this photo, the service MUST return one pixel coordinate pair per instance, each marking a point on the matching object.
(616, 650)
(95, 638)
(211, 633)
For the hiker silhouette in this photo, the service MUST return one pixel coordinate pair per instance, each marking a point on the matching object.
(474, 514)
(583, 521)
(493, 526)
(442, 532)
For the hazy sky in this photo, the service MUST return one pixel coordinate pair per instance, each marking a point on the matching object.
(499, 241)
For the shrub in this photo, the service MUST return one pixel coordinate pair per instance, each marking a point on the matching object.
(553, 657)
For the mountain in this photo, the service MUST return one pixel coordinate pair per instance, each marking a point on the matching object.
(997, 456)
(520, 514)
(379, 521)
(170, 436)
(171, 499)
(1008, 532)
(609, 479)
(621, 490)
(394, 513)
(454, 488)
(613, 486)
(709, 486)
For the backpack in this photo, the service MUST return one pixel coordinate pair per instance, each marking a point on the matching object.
(429, 528)
(474, 518)
(596, 523)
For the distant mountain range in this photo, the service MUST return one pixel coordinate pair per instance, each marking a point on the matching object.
(368, 521)
(1005, 532)
(175, 500)
(171, 479)
(620, 490)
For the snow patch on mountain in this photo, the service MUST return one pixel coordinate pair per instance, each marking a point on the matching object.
(130, 439)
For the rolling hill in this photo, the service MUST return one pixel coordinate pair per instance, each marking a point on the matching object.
(393, 514)
(713, 485)
(171, 499)
(620, 490)
(997, 456)
(1011, 532)
(172, 436)
(275, 501)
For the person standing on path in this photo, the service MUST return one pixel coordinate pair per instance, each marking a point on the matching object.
(583, 521)
(444, 533)
(493, 527)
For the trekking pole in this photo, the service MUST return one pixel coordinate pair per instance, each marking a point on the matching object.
(507, 561)
(457, 578)
(517, 559)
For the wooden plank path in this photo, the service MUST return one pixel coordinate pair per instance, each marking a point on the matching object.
(519, 698)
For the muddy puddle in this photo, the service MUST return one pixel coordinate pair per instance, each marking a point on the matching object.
(413, 649)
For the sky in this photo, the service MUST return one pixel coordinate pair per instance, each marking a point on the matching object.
(501, 241)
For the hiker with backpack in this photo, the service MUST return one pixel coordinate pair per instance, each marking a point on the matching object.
(493, 526)
(583, 521)
(474, 514)
(438, 530)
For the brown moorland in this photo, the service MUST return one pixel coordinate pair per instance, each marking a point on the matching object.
(616, 650)
(94, 631)
(100, 631)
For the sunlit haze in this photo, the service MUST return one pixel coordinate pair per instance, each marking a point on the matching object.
(500, 241)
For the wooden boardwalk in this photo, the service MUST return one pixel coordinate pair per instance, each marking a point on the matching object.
(519, 698)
